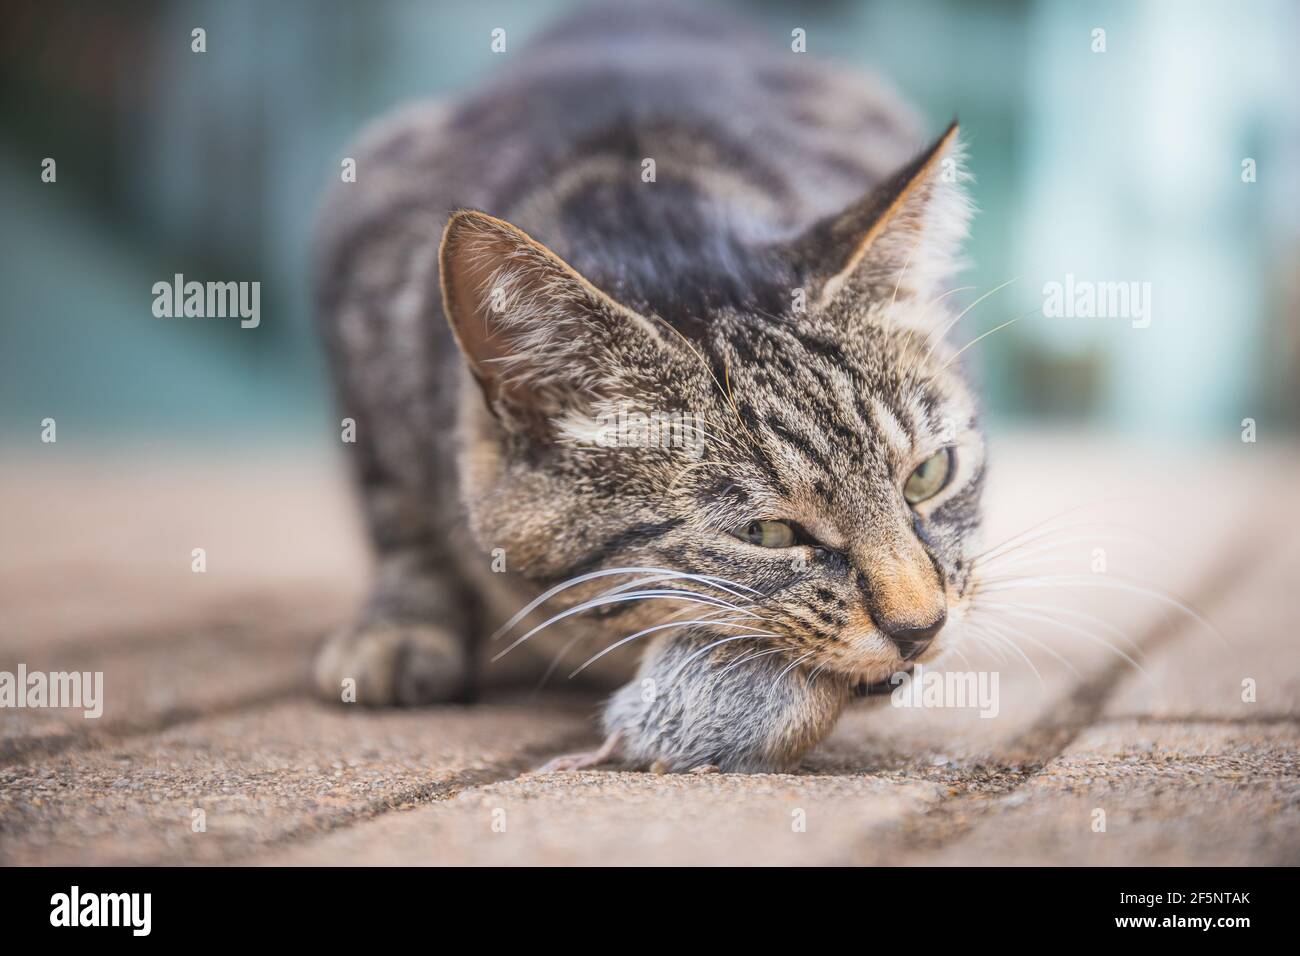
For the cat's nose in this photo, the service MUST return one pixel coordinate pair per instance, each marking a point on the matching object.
(912, 640)
(904, 595)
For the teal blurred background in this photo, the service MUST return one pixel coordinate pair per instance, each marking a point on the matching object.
(1123, 165)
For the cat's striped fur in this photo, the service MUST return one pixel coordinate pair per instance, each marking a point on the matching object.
(779, 284)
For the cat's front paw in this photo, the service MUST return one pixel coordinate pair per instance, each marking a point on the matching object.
(390, 663)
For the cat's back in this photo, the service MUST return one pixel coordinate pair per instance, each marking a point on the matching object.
(624, 127)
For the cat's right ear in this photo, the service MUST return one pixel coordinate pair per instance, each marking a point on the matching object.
(903, 235)
(538, 337)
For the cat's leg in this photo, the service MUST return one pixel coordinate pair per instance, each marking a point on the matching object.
(412, 642)
(690, 710)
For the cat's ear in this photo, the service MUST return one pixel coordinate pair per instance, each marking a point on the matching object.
(539, 338)
(905, 234)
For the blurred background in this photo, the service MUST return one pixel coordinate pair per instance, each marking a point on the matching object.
(1122, 165)
(192, 534)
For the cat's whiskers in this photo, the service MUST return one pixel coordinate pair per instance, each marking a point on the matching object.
(936, 339)
(663, 627)
(691, 425)
(960, 653)
(741, 440)
(1007, 636)
(1043, 526)
(771, 692)
(688, 610)
(724, 391)
(1012, 611)
(694, 597)
(995, 616)
(1018, 556)
(926, 311)
(943, 295)
(663, 574)
(817, 672)
(691, 467)
(1109, 582)
(980, 338)
(1007, 633)
(899, 282)
(617, 593)
(1068, 612)
(731, 400)
(1126, 534)
(746, 658)
(983, 641)
(1017, 563)
(580, 636)
(709, 647)
(555, 661)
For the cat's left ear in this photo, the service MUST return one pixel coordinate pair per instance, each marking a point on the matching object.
(905, 234)
(538, 337)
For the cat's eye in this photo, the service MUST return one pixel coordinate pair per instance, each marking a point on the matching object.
(929, 477)
(767, 534)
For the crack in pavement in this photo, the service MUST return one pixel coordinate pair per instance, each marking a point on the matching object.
(17, 749)
(398, 801)
(233, 618)
(406, 799)
(1262, 720)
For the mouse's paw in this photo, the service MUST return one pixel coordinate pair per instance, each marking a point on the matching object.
(605, 753)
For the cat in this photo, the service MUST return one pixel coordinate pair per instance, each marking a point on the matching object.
(655, 216)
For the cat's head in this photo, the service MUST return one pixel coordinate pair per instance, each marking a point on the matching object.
(818, 469)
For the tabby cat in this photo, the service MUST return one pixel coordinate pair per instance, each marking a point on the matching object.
(684, 224)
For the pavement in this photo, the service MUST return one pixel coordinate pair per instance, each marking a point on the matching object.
(1151, 714)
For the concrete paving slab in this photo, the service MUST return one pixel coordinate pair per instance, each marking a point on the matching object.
(263, 776)
(1251, 674)
(1167, 794)
(593, 818)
